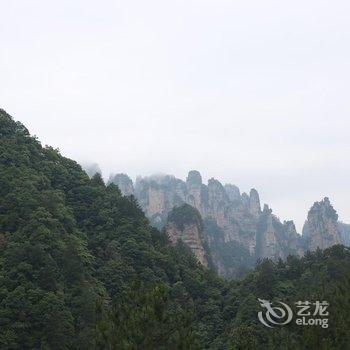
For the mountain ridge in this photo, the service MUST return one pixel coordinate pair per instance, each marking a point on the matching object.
(247, 229)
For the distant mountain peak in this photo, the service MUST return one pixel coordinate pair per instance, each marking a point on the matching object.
(321, 228)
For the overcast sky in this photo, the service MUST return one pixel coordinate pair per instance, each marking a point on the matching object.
(254, 93)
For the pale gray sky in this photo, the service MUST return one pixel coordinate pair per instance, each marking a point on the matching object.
(255, 93)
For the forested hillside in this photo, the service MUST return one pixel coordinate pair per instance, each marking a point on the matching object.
(81, 268)
(80, 265)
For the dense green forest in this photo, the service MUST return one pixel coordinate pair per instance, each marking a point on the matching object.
(81, 268)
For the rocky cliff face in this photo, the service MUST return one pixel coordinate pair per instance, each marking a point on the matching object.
(185, 223)
(124, 183)
(246, 232)
(235, 228)
(276, 240)
(321, 228)
(158, 195)
(344, 230)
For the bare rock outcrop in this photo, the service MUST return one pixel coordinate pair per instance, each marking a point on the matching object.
(246, 232)
(321, 228)
(254, 203)
(185, 224)
(158, 195)
(124, 183)
(235, 228)
(344, 230)
(233, 193)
